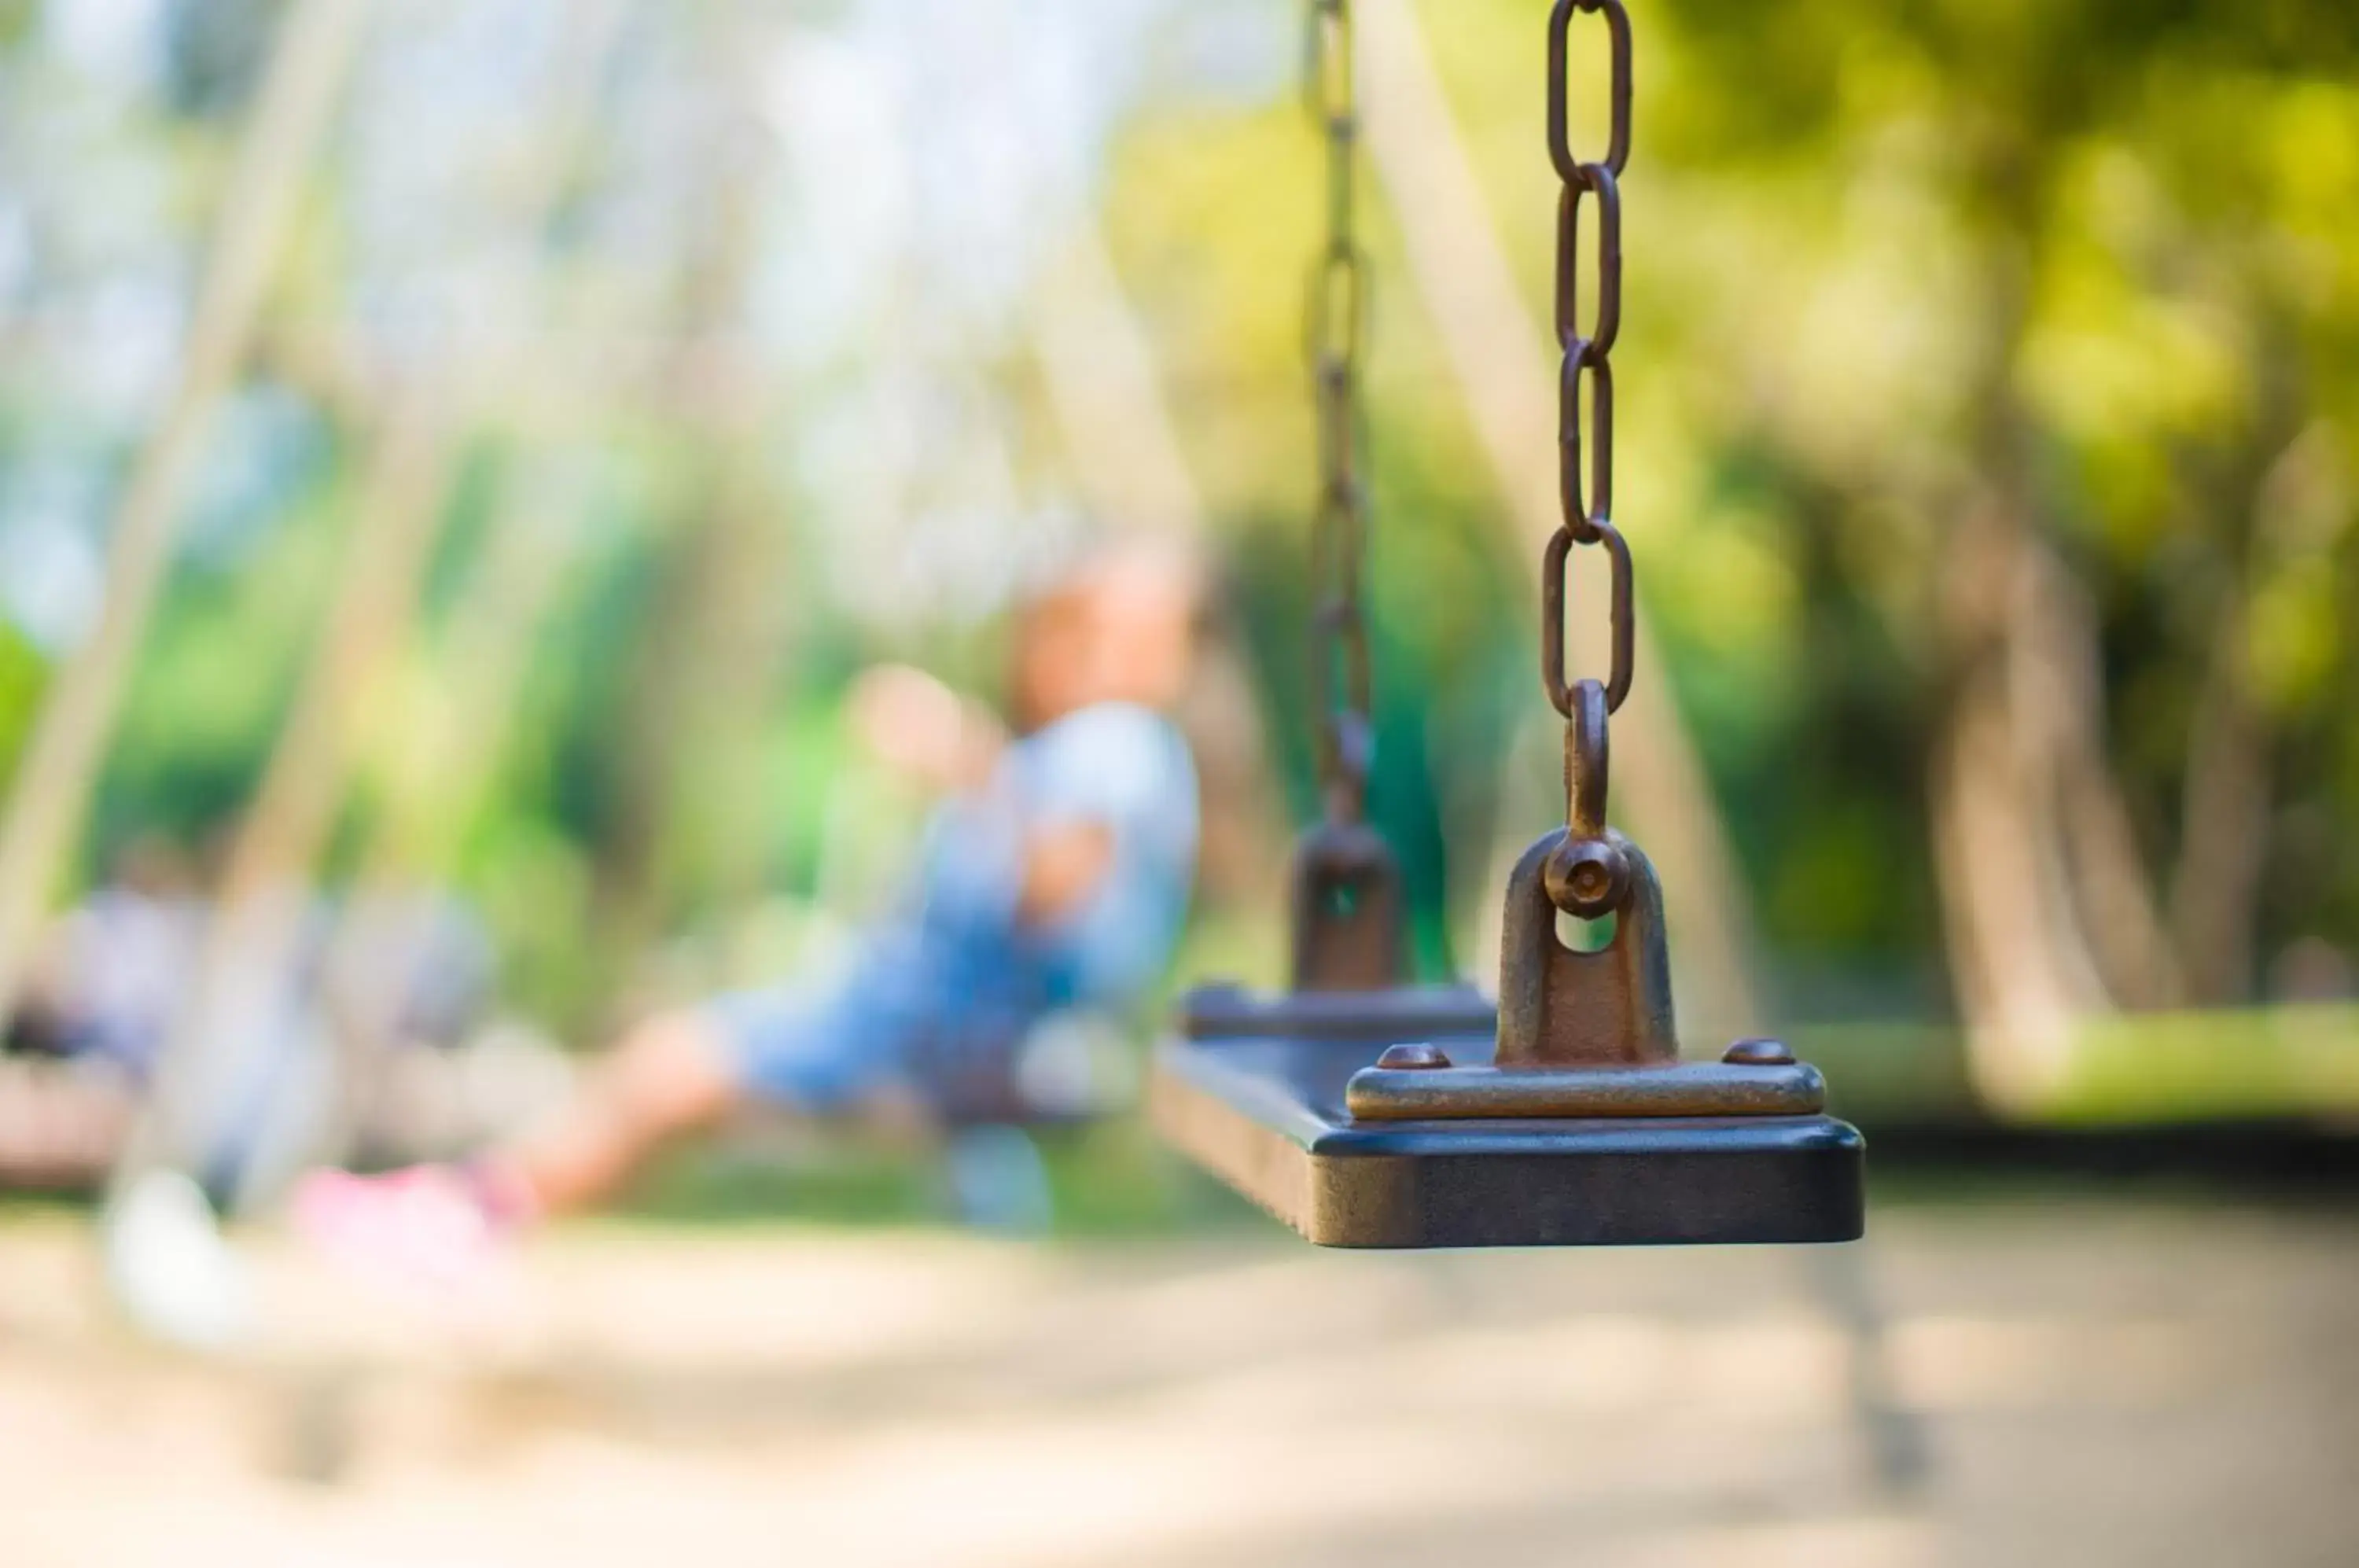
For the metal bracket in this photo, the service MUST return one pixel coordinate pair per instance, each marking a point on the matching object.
(1351, 918)
(1351, 960)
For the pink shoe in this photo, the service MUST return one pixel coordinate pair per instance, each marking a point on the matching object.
(427, 1233)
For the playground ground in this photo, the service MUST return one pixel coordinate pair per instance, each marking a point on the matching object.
(2100, 1380)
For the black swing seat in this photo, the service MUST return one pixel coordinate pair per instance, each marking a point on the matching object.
(1269, 1116)
(1381, 1018)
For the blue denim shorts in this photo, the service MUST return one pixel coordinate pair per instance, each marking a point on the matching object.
(823, 1049)
(912, 1013)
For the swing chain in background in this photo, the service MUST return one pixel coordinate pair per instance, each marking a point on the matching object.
(1338, 320)
(1585, 456)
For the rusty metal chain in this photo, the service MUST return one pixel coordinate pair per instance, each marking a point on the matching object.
(1338, 319)
(1591, 878)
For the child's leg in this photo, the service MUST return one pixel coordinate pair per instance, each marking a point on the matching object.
(811, 1052)
(443, 1229)
(677, 1073)
(830, 1050)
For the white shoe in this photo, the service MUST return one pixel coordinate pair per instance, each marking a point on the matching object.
(172, 1272)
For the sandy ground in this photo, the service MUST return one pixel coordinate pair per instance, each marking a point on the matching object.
(2091, 1383)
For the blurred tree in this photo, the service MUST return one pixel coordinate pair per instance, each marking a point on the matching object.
(253, 953)
(690, 807)
(2120, 363)
(58, 774)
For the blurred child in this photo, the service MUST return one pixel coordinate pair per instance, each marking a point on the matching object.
(1055, 876)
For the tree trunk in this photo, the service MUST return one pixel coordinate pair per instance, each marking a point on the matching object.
(690, 791)
(2224, 837)
(223, 1061)
(2289, 487)
(43, 824)
(2022, 970)
(2049, 913)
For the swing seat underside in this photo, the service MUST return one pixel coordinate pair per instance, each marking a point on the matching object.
(1267, 1114)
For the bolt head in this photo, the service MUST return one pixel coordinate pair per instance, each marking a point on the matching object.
(1587, 876)
(1759, 1053)
(1418, 1057)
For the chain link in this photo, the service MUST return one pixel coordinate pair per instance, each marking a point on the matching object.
(1554, 567)
(1586, 456)
(1338, 318)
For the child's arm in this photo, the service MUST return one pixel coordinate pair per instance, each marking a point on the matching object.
(918, 725)
(1064, 863)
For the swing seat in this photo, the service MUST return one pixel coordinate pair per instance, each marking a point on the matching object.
(1381, 1018)
(1269, 1115)
(1574, 1122)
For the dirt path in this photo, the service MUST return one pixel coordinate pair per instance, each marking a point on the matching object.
(2097, 1384)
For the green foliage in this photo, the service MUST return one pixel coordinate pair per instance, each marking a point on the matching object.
(224, 655)
(24, 677)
